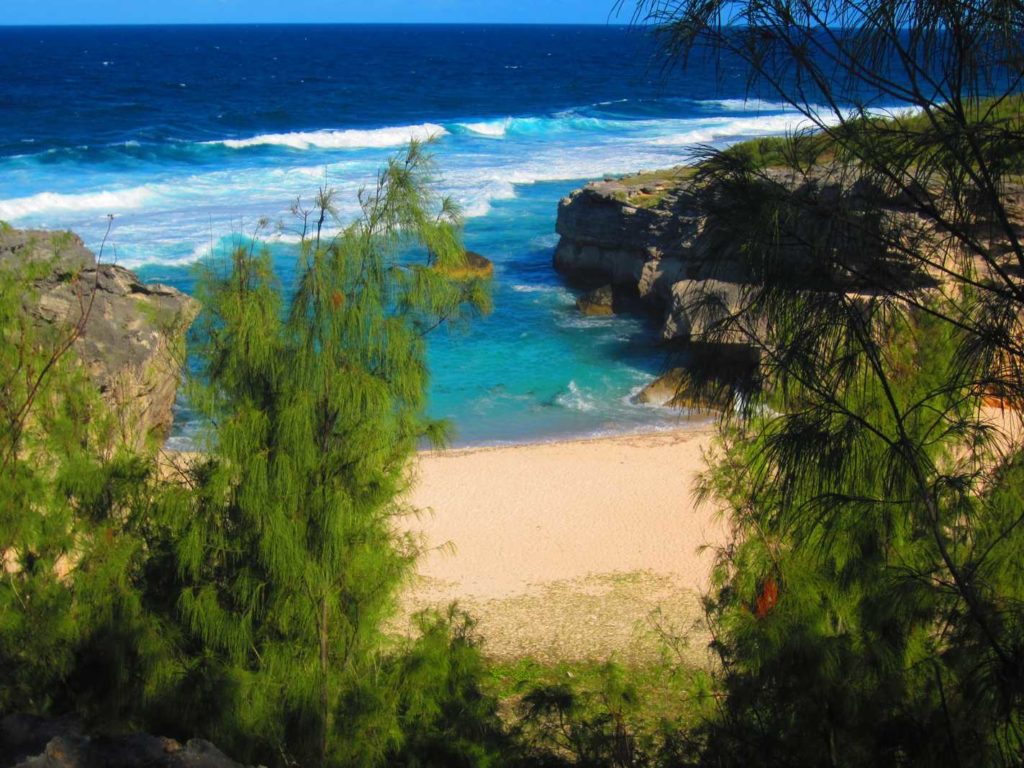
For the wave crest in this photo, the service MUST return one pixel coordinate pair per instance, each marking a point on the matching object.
(575, 399)
(493, 129)
(745, 127)
(106, 201)
(353, 138)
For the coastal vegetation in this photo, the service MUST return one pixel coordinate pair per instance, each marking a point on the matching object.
(285, 543)
(241, 596)
(869, 606)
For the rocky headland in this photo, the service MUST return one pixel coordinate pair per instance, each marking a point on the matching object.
(667, 242)
(638, 244)
(128, 334)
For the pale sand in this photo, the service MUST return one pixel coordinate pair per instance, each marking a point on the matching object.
(580, 549)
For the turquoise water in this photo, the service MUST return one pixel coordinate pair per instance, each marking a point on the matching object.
(535, 368)
(190, 135)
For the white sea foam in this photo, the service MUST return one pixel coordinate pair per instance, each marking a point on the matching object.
(476, 189)
(134, 260)
(494, 129)
(577, 321)
(347, 139)
(201, 252)
(230, 199)
(561, 122)
(546, 241)
(292, 238)
(575, 399)
(716, 129)
(48, 202)
(540, 288)
(476, 209)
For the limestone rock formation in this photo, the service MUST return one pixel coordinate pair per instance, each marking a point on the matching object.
(132, 333)
(671, 389)
(608, 300)
(668, 243)
(644, 239)
(699, 309)
(684, 246)
(711, 375)
(479, 266)
(606, 237)
(672, 241)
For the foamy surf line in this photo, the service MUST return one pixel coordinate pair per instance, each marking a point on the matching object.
(376, 138)
(677, 424)
(753, 105)
(748, 127)
(112, 201)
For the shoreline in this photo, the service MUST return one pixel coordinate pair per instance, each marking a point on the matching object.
(685, 424)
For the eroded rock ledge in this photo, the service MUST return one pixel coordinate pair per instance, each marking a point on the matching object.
(637, 242)
(132, 340)
(641, 234)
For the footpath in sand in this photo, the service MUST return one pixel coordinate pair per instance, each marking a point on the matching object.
(586, 549)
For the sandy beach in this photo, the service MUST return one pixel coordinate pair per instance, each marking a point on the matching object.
(576, 549)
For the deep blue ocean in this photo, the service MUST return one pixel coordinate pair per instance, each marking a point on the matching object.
(189, 135)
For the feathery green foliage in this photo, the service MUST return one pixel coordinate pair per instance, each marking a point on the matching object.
(858, 615)
(243, 595)
(868, 609)
(288, 547)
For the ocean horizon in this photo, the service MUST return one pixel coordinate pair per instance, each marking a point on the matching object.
(128, 121)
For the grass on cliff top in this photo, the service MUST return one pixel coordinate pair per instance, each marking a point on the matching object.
(658, 184)
(1004, 116)
(805, 149)
(785, 151)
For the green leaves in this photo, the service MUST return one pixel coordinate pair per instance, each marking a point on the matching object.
(865, 483)
(289, 555)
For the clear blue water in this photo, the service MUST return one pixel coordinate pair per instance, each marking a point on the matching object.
(190, 134)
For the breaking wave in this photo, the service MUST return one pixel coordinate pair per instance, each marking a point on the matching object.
(377, 138)
(113, 202)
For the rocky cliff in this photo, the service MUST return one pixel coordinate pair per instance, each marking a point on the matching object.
(129, 334)
(667, 238)
(677, 244)
(642, 235)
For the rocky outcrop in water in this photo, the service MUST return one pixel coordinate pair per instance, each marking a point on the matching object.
(131, 333)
